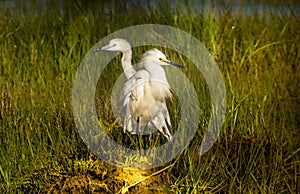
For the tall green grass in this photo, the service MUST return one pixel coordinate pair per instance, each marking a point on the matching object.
(258, 54)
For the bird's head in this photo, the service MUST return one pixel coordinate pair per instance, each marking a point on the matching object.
(157, 56)
(117, 44)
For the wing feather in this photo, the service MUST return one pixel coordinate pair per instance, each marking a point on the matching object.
(133, 93)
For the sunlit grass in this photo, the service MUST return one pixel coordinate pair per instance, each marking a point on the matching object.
(258, 148)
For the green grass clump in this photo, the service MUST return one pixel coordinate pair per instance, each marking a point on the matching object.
(258, 54)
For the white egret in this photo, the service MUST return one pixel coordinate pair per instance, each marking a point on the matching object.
(145, 91)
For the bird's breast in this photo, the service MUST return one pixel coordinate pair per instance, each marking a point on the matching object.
(153, 92)
(160, 91)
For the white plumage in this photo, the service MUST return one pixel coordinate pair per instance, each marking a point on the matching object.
(145, 91)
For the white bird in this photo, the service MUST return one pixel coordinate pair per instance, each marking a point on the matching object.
(145, 91)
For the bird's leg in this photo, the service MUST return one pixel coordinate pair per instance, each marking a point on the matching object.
(124, 139)
(147, 140)
(138, 134)
(139, 142)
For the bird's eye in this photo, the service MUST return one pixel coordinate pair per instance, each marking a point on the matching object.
(161, 59)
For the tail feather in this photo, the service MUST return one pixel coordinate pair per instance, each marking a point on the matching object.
(162, 122)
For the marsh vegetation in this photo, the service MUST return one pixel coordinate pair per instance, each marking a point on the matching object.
(258, 54)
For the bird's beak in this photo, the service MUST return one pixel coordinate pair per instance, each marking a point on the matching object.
(106, 47)
(174, 64)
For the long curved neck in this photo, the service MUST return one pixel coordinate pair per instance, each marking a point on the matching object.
(126, 63)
